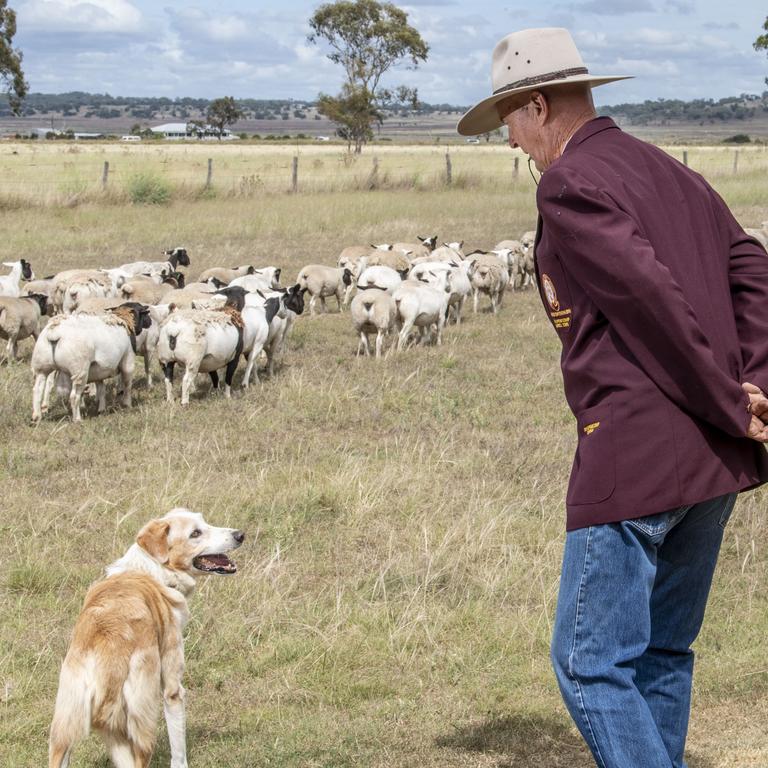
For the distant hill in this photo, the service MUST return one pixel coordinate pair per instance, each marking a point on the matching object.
(142, 108)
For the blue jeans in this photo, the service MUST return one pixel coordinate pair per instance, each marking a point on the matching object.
(631, 603)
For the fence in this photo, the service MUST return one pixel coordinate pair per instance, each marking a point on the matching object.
(65, 174)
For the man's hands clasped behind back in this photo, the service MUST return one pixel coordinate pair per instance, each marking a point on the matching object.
(758, 407)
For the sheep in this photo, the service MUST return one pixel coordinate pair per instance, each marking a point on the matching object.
(72, 284)
(9, 284)
(146, 290)
(20, 318)
(397, 260)
(351, 255)
(176, 256)
(183, 298)
(43, 285)
(291, 305)
(264, 279)
(489, 275)
(86, 348)
(422, 305)
(511, 251)
(321, 281)
(424, 247)
(257, 320)
(445, 253)
(373, 311)
(226, 274)
(202, 341)
(460, 285)
(385, 278)
(528, 242)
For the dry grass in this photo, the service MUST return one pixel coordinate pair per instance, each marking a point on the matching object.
(405, 519)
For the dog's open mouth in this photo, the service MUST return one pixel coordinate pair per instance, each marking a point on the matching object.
(214, 564)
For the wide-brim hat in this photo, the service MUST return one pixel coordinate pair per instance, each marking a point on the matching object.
(528, 61)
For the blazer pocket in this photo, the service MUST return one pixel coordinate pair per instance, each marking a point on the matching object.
(593, 477)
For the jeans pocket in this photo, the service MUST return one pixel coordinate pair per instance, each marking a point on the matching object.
(659, 524)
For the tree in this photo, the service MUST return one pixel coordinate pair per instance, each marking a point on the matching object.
(11, 74)
(223, 112)
(761, 44)
(367, 38)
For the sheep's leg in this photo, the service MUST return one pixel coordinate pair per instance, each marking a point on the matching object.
(379, 342)
(312, 304)
(250, 358)
(323, 307)
(403, 335)
(188, 382)
(168, 375)
(126, 379)
(214, 376)
(362, 344)
(76, 398)
(476, 300)
(37, 396)
(147, 369)
(229, 374)
(340, 299)
(440, 325)
(101, 397)
(50, 383)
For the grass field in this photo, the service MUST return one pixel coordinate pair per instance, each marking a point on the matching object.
(405, 518)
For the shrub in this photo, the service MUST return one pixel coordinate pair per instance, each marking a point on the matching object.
(149, 189)
(739, 138)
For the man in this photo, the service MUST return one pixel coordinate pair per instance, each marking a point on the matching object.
(661, 303)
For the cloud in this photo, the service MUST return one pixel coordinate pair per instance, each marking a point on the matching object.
(91, 16)
(683, 7)
(614, 7)
(720, 25)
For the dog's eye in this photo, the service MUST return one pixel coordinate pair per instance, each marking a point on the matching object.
(195, 534)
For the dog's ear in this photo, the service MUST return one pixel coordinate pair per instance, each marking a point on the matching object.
(153, 538)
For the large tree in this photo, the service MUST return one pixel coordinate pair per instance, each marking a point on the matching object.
(761, 44)
(11, 74)
(367, 38)
(223, 112)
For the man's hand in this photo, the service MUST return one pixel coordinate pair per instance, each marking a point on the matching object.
(758, 407)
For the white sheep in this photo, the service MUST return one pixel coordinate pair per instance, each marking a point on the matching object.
(202, 341)
(264, 279)
(226, 275)
(421, 305)
(82, 349)
(9, 284)
(373, 311)
(459, 282)
(385, 278)
(20, 318)
(176, 257)
(488, 275)
(528, 269)
(321, 281)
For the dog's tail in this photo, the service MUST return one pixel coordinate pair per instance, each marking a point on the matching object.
(71, 715)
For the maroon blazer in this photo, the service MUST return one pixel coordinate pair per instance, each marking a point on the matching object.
(661, 303)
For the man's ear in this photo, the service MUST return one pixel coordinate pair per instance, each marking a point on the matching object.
(153, 539)
(539, 107)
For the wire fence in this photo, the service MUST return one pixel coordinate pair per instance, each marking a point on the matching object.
(59, 175)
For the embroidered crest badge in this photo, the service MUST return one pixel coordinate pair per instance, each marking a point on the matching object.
(549, 292)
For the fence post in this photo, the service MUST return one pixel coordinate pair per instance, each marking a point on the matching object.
(685, 158)
(736, 161)
(448, 174)
(210, 173)
(516, 169)
(105, 175)
(295, 174)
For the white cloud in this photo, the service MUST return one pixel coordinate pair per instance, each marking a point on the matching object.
(113, 16)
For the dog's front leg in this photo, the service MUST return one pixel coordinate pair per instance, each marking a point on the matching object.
(173, 705)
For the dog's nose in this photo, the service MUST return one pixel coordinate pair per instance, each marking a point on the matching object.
(239, 536)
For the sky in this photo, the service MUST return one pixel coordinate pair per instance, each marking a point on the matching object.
(682, 49)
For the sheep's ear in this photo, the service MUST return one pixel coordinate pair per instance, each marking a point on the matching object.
(251, 270)
(153, 539)
(171, 308)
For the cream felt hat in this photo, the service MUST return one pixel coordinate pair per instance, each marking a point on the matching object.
(527, 61)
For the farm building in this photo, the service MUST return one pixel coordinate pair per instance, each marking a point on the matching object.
(178, 131)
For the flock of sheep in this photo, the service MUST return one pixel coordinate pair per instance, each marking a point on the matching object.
(102, 318)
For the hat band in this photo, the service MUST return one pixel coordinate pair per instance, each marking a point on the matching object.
(539, 79)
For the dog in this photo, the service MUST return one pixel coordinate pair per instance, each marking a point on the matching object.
(127, 653)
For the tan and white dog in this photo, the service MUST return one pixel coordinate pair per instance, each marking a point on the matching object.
(127, 653)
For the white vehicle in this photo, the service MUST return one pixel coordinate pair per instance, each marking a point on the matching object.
(130, 137)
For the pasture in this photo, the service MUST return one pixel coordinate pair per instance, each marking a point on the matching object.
(405, 518)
